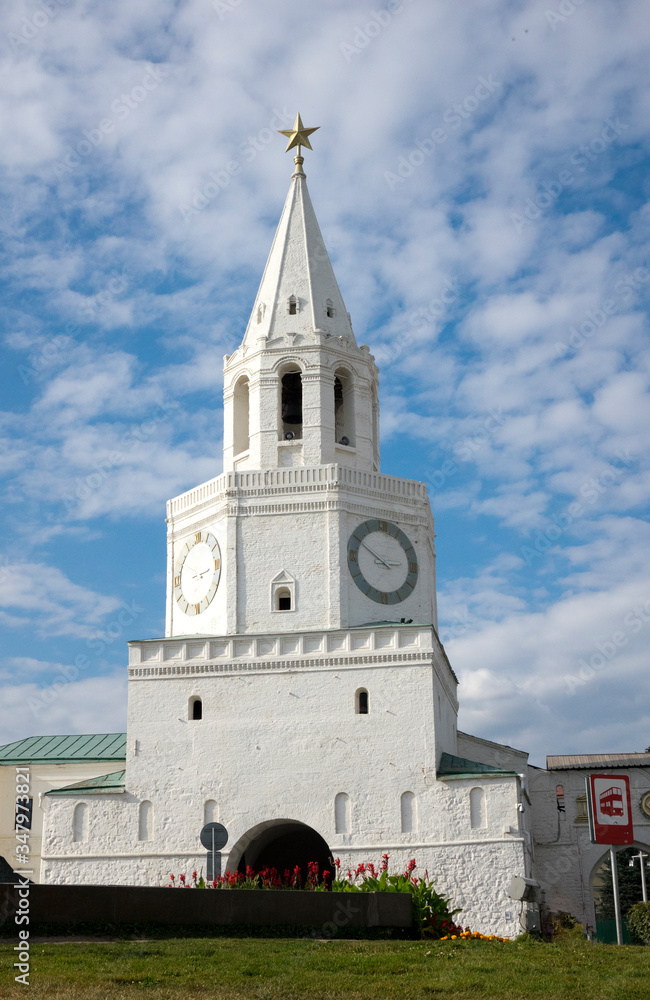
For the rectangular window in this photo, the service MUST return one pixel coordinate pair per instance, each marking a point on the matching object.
(24, 815)
(581, 809)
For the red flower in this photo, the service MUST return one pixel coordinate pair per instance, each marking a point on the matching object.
(337, 862)
(411, 865)
(182, 878)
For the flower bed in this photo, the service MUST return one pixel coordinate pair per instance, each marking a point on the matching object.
(432, 913)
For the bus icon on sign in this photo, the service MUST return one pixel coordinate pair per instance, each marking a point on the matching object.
(611, 801)
(609, 808)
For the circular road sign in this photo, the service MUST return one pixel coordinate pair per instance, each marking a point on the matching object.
(214, 836)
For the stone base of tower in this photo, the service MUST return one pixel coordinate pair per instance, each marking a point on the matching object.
(319, 744)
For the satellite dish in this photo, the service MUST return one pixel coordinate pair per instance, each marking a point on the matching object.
(344, 440)
(214, 836)
(289, 436)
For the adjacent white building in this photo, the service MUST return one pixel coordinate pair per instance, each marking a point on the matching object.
(301, 695)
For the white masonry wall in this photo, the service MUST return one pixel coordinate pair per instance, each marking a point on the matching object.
(279, 739)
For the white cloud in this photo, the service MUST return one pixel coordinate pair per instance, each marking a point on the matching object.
(126, 412)
(90, 705)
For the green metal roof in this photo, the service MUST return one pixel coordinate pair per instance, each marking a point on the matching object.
(65, 749)
(461, 767)
(102, 785)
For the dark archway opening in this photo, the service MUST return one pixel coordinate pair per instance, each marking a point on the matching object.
(283, 846)
(292, 405)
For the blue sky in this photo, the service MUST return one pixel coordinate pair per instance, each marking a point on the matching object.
(481, 181)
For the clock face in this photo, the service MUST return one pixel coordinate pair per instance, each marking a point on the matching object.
(197, 572)
(382, 562)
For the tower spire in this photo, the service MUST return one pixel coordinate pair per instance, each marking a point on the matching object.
(298, 136)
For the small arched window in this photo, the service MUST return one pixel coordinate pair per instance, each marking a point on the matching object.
(293, 305)
(145, 821)
(80, 823)
(342, 813)
(478, 818)
(361, 702)
(408, 812)
(283, 599)
(329, 309)
(195, 709)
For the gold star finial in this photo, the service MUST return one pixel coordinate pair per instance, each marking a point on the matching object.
(298, 136)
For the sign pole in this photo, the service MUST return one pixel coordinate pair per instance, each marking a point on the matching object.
(617, 899)
(644, 891)
(213, 837)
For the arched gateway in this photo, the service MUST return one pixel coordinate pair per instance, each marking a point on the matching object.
(281, 844)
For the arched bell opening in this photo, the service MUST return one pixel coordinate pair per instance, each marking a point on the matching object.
(343, 408)
(291, 404)
(241, 416)
(282, 844)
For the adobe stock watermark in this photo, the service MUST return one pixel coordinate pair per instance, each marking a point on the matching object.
(85, 486)
(607, 649)
(590, 493)
(53, 350)
(466, 448)
(454, 117)
(461, 623)
(549, 191)
(121, 108)
(97, 644)
(31, 25)
(208, 190)
(565, 9)
(225, 7)
(364, 34)
(596, 319)
(427, 315)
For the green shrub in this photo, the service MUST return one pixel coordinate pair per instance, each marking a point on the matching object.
(638, 921)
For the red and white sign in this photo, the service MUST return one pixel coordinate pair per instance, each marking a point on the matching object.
(610, 809)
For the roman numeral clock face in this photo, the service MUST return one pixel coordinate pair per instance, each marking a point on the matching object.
(382, 562)
(197, 572)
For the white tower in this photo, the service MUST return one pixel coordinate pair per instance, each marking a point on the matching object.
(301, 530)
(300, 696)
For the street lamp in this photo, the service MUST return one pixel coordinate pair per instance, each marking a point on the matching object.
(640, 857)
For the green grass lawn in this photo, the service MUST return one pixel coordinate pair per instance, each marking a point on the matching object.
(283, 969)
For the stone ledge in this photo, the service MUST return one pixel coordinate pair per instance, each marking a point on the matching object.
(296, 479)
(117, 904)
(237, 650)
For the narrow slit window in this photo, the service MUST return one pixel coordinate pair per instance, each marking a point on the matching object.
(196, 709)
(293, 306)
(329, 309)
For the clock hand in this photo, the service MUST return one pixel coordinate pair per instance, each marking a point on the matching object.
(378, 557)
